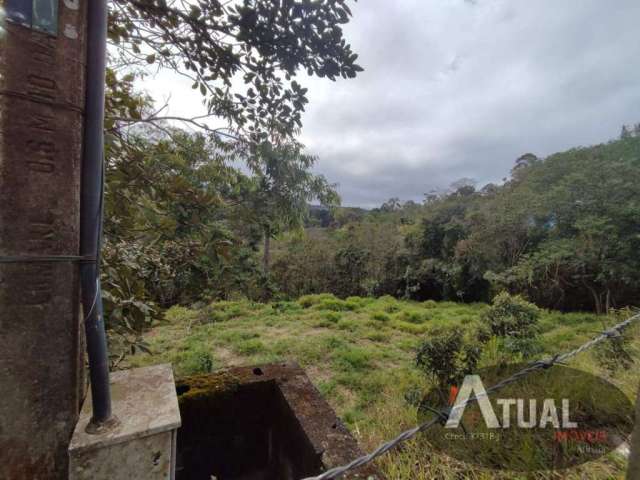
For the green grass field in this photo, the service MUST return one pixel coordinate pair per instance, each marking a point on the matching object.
(360, 352)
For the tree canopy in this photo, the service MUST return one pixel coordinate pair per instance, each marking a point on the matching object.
(242, 56)
(188, 201)
(564, 231)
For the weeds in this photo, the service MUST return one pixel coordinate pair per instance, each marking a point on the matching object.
(360, 352)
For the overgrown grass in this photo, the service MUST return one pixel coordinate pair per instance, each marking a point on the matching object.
(360, 353)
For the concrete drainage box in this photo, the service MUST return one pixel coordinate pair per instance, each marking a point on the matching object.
(141, 446)
(260, 423)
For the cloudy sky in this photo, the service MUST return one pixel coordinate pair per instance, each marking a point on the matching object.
(461, 88)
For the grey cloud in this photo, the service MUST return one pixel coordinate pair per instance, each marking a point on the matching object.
(455, 90)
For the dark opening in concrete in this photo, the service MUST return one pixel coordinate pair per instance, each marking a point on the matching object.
(262, 423)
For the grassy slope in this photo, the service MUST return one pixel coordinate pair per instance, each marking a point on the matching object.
(359, 353)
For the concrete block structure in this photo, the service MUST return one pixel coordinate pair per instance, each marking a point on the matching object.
(142, 445)
(266, 422)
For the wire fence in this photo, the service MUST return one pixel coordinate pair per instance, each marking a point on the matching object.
(612, 332)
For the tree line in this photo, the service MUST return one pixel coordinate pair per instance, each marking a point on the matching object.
(563, 231)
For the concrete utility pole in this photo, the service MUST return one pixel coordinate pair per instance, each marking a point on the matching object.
(42, 95)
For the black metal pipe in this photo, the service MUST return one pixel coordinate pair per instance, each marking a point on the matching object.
(91, 193)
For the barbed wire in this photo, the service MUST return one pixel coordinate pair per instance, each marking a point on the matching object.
(612, 332)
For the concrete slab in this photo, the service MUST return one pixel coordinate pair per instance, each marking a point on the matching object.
(141, 445)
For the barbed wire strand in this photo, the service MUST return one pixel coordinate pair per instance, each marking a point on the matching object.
(612, 332)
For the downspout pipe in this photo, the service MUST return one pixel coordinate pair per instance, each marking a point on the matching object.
(91, 207)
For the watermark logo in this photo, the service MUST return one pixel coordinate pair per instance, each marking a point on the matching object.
(551, 420)
(473, 390)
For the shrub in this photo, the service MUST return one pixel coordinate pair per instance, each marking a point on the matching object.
(377, 336)
(525, 346)
(483, 333)
(447, 356)
(333, 343)
(221, 311)
(333, 317)
(352, 358)
(250, 347)
(351, 269)
(380, 316)
(430, 304)
(350, 325)
(196, 360)
(512, 316)
(389, 304)
(179, 314)
(284, 307)
(391, 308)
(359, 302)
(414, 328)
(307, 301)
(412, 317)
(414, 396)
(329, 320)
(335, 305)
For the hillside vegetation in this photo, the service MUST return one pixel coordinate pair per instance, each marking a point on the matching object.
(360, 353)
(185, 224)
(563, 231)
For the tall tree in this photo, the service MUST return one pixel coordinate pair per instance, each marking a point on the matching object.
(286, 185)
(181, 223)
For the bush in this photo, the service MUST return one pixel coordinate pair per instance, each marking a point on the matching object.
(512, 316)
(415, 328)
(377, 336)
(335, 305)
(380, 317)
(430, 304)
(179, 314)
(349, 325)
(352, 358)
(307, 301)
(359, 302)
(284, 307)
(196, 360)
(250, 347)
(527, 347)
(389, 304)
(447, 356)
(333, 317)
(412, 317)
(221, 311)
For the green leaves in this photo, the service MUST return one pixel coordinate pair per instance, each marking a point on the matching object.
(265, 43)
(448, 356)
(512, 316)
